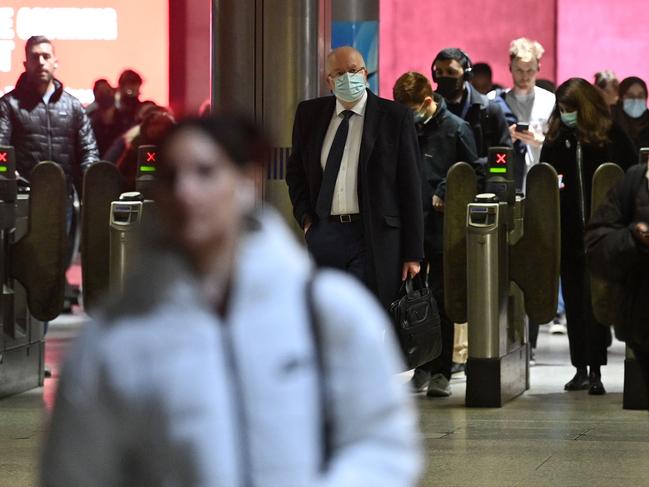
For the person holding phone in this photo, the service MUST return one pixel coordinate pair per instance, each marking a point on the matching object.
(529, 108)
(530, 105)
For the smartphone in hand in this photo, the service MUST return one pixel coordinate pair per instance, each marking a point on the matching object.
(522, 127)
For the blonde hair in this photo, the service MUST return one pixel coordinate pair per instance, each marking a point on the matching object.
(525, 49)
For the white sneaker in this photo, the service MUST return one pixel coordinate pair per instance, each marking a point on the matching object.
(557, 328)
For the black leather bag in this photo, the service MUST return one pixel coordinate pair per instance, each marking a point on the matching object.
(417, 323)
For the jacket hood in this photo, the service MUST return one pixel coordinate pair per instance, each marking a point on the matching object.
(475, 97)
(24, 88)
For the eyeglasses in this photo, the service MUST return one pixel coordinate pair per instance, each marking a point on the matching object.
(336, 74)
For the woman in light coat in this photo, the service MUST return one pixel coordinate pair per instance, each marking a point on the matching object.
(206, 372)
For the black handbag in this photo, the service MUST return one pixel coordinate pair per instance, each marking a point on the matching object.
(417, 323)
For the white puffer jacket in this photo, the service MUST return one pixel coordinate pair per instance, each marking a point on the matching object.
(161, 392)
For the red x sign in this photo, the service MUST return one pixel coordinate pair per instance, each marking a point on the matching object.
(3, 157)
(501, 159)
(150, 157)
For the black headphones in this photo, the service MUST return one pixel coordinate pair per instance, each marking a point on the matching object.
(464, 60)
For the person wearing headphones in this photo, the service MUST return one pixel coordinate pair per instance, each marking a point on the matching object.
(452, 70)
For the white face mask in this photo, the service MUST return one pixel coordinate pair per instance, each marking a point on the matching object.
(634, 107)
(350, 87)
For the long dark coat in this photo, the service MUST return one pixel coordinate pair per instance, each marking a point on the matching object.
(389, 183)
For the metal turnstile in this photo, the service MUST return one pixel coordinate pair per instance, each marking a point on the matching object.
(127, 215)
(510, 246)
(33, 246)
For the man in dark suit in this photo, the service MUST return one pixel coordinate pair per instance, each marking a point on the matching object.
(354, 180)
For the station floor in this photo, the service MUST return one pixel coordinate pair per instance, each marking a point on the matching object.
(547, 437)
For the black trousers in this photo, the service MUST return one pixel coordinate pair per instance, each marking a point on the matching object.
(588, 339)
(642, 357)
(339, 245)
(442, 364)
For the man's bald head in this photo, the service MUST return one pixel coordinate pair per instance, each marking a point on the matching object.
(342, 60)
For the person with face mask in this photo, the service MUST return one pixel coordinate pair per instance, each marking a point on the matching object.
(452, 70)
(581, 137)
(102, 117)
(444, 139)
(228, 361)
(631, 110)
(354, 180)
(128, 98)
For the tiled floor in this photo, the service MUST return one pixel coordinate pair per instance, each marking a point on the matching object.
(547, 437)
(544, 438)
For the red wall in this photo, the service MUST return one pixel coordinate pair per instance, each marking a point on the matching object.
(141, 42)
(412, 32)
(596, 34)
(580, 37)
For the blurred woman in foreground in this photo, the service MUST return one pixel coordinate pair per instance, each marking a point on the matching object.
(207, 372)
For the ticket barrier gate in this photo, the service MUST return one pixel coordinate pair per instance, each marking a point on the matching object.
(33, 246)
(607, 296)
(128, 215)
(501, 256)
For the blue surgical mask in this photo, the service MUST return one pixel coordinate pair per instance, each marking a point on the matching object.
(634, 107)
(419, 116)
(350, 87)
(569, 119)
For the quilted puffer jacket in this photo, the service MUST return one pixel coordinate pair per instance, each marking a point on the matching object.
(58, 131)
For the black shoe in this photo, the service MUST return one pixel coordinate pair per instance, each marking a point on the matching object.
(596, 387)
(47, 372)
(579, 382)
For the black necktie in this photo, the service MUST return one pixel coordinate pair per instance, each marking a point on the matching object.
(335, 157)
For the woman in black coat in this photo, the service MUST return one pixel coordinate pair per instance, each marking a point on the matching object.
(581, 137)
(631, 110)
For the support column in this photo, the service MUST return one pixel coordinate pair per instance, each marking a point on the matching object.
(356, 23)
(268, 55)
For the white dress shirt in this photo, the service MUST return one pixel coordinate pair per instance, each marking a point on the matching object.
(345, 199)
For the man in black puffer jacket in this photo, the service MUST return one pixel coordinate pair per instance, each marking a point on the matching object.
(43, 122)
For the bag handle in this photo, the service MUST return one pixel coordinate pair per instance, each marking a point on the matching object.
(409, 284)
(326, 419)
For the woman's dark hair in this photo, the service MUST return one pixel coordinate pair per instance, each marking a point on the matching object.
(593, 114)
(241, 139)
(627, 83)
